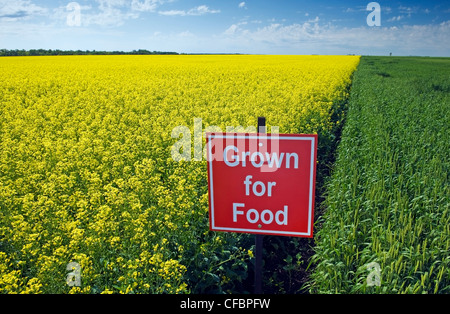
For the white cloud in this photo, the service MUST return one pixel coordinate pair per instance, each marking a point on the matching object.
(186, 34)
(105, 13)
(231, 30)
(317, 38)
(18, 10)
(315, 20)
(408, 10)
(145, 5)
(356, 9)
(242, 5)
(234, 28)
(110, 13)
(172, 12)
(396, 18)
(200, 10)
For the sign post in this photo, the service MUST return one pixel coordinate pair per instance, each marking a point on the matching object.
(259, 237)
(263, 184)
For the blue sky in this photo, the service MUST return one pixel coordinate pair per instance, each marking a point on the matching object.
(252, 26)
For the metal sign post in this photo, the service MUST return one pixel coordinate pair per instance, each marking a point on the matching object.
(259, 237)
(262, 184)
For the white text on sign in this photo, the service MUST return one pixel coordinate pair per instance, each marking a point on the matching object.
(258, 159)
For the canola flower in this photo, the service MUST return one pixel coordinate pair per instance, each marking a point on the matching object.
(86, 173)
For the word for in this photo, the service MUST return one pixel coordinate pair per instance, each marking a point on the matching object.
(259, 188)
(229, 304)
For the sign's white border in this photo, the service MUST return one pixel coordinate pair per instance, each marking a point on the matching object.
(267, 137)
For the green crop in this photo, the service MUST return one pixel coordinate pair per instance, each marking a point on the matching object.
(388, 197)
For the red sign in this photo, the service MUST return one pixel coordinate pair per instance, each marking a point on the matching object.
(262, 183)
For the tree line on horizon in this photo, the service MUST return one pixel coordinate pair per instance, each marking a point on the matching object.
(57, 52)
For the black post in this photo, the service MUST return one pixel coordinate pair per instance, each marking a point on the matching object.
(262, 125)
(259, 237)
(258, 263)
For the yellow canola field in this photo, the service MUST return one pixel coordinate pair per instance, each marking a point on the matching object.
(86, 173)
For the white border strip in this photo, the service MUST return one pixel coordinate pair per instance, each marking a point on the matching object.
(311, 182)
